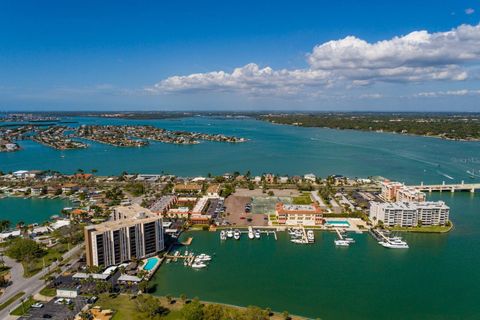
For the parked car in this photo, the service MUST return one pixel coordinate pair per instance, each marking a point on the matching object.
(37, 305)
(92, 300)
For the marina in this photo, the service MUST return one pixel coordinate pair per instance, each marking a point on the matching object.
(256, 265)
(252, 233)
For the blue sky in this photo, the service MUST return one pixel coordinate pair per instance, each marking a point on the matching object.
(254, 55)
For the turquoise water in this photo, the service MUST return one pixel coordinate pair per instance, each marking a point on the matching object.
(30, 210)
(151, 262)
(338, 222)
(436, 278)
(273, 148)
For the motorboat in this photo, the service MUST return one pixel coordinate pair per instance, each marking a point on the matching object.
(351, 240)
(204, 257)
(310, 236)
(198, 265)
(394, 243)
(299, 241)
(251, 235)
(257, 234)
(223, 235)
(342, 243)
(229, 233)
(236, 235)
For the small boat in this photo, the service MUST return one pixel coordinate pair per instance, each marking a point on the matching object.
(298, 241)
(342, 243)
(198, 265)
(236, 235)
(351, 240)
(204, 257)
(257, 234)
(229, 233)
(310, 236)
(223, 235)
(251, 235)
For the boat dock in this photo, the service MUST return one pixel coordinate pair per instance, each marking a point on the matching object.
(188, 241)
(264, 231)
(378, 235)
(339, 234)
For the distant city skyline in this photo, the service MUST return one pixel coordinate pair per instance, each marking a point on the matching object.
(342, 56)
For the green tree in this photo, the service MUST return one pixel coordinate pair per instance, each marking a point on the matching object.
(193, 311)
(213, 312)
(24, 250)
(150, 307)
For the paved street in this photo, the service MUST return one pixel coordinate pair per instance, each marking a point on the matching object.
(30, 285)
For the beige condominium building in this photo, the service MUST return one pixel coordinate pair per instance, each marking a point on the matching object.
(410, 214)
(133, 231)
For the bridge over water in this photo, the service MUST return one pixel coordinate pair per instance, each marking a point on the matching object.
(448, 187)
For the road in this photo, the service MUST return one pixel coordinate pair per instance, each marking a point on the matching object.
(32, 285)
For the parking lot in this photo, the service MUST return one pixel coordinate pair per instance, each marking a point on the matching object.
(60, 311)
(236, 212)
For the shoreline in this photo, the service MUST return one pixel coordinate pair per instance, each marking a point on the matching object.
(376, 131)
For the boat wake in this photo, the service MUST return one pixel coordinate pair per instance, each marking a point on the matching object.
(445, 175)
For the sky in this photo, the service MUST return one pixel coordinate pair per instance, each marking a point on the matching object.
(242, 55)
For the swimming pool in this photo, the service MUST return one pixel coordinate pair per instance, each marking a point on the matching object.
(151, 263)
(338, 223)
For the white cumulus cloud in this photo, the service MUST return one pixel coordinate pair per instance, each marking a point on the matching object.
(419, 56)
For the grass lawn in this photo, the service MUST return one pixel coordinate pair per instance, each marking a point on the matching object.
(123, 307)
(304, 198)
(427, 229)
(11, 300)
(48, 292)
(23, 308)
(51, 256)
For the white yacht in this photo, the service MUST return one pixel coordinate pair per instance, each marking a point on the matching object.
(229, 233)
(257, 234)
(394, 243)
(342, 243)
(236, 234)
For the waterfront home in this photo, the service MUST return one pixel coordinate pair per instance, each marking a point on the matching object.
(310, 177)
(36, 190)
(257, 179)
(83, 176)
(283, 179)
(70, 187)
(294, 215)
(269, 178)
